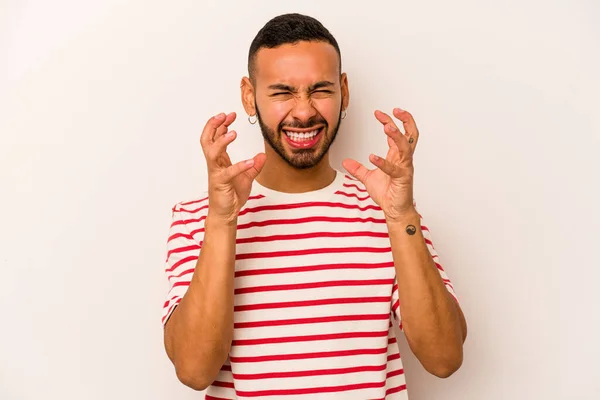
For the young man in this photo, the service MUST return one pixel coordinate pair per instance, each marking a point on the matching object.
(287, 277)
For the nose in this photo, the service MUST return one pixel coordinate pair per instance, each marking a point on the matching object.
(303, 109)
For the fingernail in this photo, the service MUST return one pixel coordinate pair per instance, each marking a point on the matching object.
(250, 162)
(220, 116)
(399, 109)
(392, 128)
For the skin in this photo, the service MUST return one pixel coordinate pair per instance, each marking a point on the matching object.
(300, 86)
(296, 86)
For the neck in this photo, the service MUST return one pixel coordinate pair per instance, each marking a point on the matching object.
(280, 176)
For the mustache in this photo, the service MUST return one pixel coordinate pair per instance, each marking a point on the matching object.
(304, 125)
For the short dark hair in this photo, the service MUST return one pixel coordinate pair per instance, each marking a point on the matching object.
(290, 29)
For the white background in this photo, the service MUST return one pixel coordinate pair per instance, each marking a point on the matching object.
(101, 108)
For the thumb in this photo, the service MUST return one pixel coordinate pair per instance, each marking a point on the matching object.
(356, 169)
(259, 163)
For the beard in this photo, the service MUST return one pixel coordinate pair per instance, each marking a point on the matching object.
(300, 158)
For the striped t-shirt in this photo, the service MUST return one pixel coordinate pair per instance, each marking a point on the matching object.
(315, 294)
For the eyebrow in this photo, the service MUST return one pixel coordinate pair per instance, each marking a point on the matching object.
(288, 88)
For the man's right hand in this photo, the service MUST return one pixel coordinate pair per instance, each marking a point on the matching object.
(229, 184)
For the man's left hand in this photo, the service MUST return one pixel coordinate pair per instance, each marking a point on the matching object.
(390, 185)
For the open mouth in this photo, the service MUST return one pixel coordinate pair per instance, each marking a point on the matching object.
(303, 139)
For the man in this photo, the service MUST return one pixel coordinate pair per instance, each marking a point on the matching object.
(287, 277)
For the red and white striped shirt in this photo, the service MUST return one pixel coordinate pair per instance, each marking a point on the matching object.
(315, 294)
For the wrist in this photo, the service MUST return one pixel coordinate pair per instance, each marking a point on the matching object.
(215, 221)
(401, 220)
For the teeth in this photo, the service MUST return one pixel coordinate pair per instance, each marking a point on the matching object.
(298, 137)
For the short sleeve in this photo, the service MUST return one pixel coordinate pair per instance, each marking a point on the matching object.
(182, 254)
(395, 302)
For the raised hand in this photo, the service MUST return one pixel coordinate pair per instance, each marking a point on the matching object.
(229, 184)
(390, 185)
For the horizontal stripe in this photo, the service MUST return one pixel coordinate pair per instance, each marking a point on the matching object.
(300, 236)
(180, 235)
(396, 389)
(181, 274)
(354, 195)
(187, 221)
(185, 210)
(290, 221)
(394, 373)
(181, 262)
(352, 185)
(223, 384)
(392, 391)
(315, 390)
(255, 197)
(312, 268)
(182, 250)
(293, 253)
(281, 207)
(302, 356)
(316, 372)
(315, 320)
(194, 201)
(309, 338)
(312, 285)
(311, 235)
(310, 303)
(295, 221)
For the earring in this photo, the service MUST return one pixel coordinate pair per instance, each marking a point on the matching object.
(251, 120)
(344, 113)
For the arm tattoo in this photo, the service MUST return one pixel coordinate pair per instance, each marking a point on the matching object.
(411, 230)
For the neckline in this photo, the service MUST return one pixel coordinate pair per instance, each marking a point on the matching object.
(313, 195)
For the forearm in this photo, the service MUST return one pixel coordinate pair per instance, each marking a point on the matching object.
(431, 319)
(198, 335)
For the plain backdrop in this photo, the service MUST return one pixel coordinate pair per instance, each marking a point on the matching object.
(101, 108)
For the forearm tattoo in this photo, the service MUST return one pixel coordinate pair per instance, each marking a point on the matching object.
(411, 230)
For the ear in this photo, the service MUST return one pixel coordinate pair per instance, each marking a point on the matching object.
(345, 91)
(248, 99)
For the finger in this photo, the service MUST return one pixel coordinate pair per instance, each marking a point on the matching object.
(218, 148)
(259, 163)
(221, 130)
(390, 142)
(389, 168)
(410, 127)
(226, 159)
(209, 130)
(399, 141)
(386, 120)
(393, 153)
(356, 169)
(237, 169)
(390, 128)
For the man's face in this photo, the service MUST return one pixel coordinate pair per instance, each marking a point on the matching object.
(298, 96)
